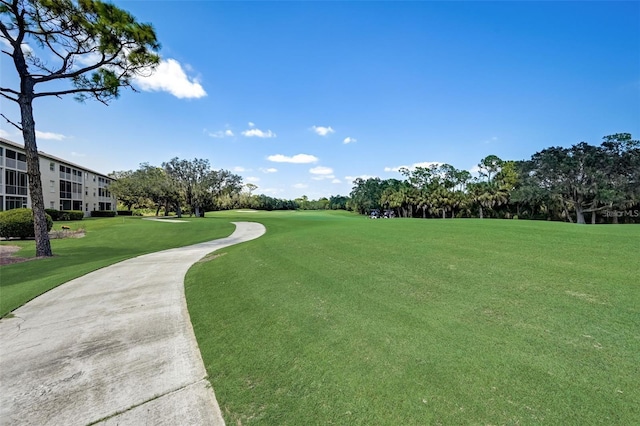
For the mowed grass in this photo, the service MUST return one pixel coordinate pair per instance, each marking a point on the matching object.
(331, 318)
(107, 241)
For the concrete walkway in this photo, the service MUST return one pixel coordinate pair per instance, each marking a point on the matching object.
(114, 347)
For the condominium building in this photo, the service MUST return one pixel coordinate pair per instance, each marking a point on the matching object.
(65, 185)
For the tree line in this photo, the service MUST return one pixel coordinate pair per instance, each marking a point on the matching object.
(600, 182)
(191, 186)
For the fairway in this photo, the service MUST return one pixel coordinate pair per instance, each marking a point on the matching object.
(332, 318)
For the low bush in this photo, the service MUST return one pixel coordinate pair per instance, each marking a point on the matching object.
(55, 214)
(125, 212)
(65, 214)
(103, 213)
(18, 223)
(72, 215)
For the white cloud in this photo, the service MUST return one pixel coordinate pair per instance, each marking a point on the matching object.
(251, 124)
(322, 131)
(300, 185)
(258, 133)
(169, 76)
(78, 154)
(475, 171)
(4, 134)
(323, 177)
(26, 49)
(349, 139)
(322, 173)
(220, 134)
(50, 136)
(239, 169)
(273, 191)
(493, 139)
(297, 159)
(363, 177)
(425, 164)
(252, 179)
(268, 170)
(320, 170)
(336, 181)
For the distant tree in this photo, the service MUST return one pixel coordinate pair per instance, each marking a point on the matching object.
(199, 184)
(338, 202)
(490, 165)
(250, 187)
(93, 47)
(573, 176)
(365, 195)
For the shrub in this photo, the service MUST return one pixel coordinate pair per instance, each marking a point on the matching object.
(65, 214)
(18, 223)
(71, 215)
(103, 213)
(125, 212)
(55, 214)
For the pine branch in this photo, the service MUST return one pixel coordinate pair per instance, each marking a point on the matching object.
(11, 122)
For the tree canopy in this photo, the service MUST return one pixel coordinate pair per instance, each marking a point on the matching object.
(85, 48)
(557, 183)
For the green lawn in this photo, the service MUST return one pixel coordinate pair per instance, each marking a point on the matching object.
(332, 318)
(107, 241)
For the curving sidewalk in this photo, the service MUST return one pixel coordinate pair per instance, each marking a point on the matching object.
(114, 347)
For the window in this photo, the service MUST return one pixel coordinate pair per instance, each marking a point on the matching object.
(16, 160)
(65, 172)
(77, 205)
(16, 202)
(65, 189)
(52, 205)
(77, 175)
(86, 207)
(65, 204)
(16, 182)
(52, 186)
(52, 166)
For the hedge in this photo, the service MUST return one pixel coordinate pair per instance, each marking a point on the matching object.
(103, 213)
(65, 214)
(125, 212)
(18, 223)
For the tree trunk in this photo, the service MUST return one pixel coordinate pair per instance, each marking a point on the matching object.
(593, 217)
(43, 245)
(579, 214)
(481, 217)
(444, 214)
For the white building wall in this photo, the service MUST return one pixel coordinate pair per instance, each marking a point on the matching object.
(64, 185)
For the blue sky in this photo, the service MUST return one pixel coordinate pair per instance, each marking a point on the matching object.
(302, 97)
